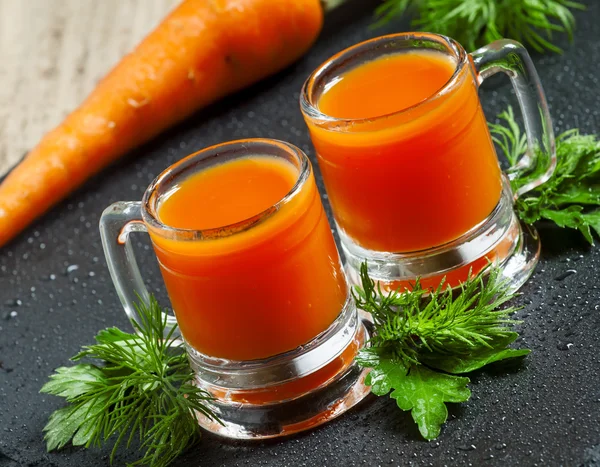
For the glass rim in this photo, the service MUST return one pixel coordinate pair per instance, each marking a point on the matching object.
(150, 199)
(311, 111)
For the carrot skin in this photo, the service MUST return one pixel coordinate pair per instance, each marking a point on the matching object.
(202, 51)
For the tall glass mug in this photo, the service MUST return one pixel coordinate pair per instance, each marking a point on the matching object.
(409, 164)
(262, 303)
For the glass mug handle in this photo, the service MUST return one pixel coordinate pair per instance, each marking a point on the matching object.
(538, 163)
(118, 221)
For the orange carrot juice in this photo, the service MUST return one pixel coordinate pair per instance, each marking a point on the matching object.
(255, 285)
(412, 180)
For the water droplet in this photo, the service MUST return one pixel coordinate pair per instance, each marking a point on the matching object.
(564, 275)
(471, 447)
(564, 345)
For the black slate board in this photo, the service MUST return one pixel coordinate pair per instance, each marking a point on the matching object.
(545, 412)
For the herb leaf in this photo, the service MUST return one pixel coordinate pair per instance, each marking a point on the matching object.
(417, 389)
(475, 360)
(424, 392)
(143, 389)
(384, 369)
(477, 22)
(69, 423)
(72, 382)
(571, 197)
(424, 338)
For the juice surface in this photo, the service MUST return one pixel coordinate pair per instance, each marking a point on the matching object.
(386, 85)
(410, 180)
(228, 193)
(256, 292)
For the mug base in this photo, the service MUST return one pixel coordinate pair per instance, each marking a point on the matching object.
(515, 268)
(519, 266)
(501, 239)
(289, 393)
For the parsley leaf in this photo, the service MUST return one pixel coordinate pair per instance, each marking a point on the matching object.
(424, 392)
(384, 369)
(415, 388)
(571, 197)
(474, 360)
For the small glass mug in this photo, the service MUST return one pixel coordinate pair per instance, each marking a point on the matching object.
(419, 192)
(263, 306)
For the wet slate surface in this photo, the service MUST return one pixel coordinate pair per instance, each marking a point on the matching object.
(55, 294)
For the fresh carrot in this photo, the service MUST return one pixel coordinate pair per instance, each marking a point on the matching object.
(202, 51)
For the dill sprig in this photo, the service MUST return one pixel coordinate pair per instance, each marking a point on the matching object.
(424, 339)
(477, 22)
(443, 320)
(141, 389)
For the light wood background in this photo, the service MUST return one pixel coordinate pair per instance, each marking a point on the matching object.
(52, 52)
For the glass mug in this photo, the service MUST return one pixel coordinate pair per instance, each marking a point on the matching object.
(418, 191)
(263, 306)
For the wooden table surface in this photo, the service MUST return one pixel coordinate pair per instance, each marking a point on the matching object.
(52, 52)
